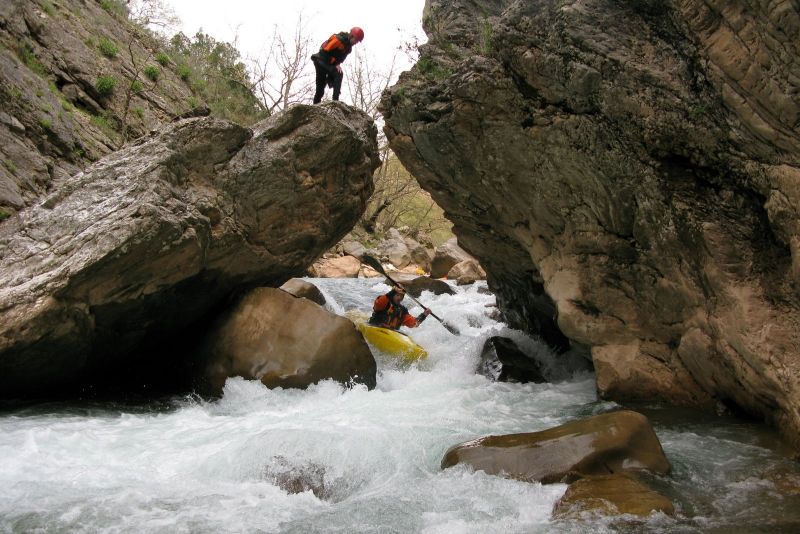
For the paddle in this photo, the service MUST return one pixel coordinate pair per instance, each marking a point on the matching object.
(375, 264)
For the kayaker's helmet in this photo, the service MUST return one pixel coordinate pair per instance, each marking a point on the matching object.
(357, 33)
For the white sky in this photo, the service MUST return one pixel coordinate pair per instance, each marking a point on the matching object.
(387, 24)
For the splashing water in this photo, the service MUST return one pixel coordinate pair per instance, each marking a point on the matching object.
(337, 459)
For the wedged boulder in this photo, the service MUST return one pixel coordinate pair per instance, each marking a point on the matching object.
(604, 444)
(130, 256)
(446, 256)
(302, 289)
(502, 360)
(423, 283)
(284, 341)
(466, 272)
(418, 253)
(611, 495)
(341, 267)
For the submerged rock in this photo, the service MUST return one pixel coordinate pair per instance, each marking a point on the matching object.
(423, 283)
(604, 444)
(284, 341)
(611, 495)
(502, 360)
(130, 256)
(302, 289)
(626, 173)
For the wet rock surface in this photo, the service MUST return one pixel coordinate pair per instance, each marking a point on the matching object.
(626, 173)
(302, 289)
(502, 360)
(611, 495)
(153, 240)
(604, 444)
(419, 284)
(284, 341)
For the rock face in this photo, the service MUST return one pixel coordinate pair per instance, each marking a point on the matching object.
(302, 289)
(611, 495)
(54, 121)
(502, 360)
(603, 444)
(446, 256)
(419, 254)
(394, 249)
(342, 267)
(627, 173)
(284, 341)
(129, 256)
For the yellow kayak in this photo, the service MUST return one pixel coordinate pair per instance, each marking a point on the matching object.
(392, 342)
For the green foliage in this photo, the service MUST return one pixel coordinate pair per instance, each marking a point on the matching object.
(697, 111)
(218, 76)
(193, 102)
(139, 112)
(162, 58)
(103, 122)
(432, 69)
(46, 124)
(152, 72)
(486, 38)
(8, 164)
(105, 85)
(137, 86)
(4, 215)
(67, 106)
(9, 93)
(28, 57)
(108, 48)
(184, 72)
(115, 8)
(47, 7)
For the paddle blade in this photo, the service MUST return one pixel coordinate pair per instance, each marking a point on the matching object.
(450, 328)
(373, 263)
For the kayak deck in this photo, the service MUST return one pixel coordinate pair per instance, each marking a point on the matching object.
(392, 342)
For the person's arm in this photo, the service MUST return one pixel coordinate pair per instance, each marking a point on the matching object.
(413, 322)
(381, 303)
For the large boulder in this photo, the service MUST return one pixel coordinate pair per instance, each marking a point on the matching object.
(446, 256)
(627, 174)
(611, 495)
(302, 289)
(138, 252)
(284, 341)
(502, 360)
(609, 443)
(394, 249)
(423, 283)
(354, 248)
(341, 267)
(418, 253)
(466, 272)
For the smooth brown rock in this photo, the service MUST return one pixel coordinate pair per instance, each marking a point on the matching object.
(418, 253)
(136, 254)
(611, 495)
(627, 173)
(342, 267)
(603, 444)
(284, 341)
(446, 256)
(302, 289)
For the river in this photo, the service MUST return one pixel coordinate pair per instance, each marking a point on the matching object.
(192, 465)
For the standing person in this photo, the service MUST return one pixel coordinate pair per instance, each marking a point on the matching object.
(387, 312)
(328, 61)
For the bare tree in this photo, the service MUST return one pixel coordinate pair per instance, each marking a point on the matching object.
(282, 75)
(153, 14)
(365, 83)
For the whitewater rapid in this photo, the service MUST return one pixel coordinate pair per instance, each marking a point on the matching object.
(192, 465)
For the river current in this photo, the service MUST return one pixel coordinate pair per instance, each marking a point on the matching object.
(372, 457)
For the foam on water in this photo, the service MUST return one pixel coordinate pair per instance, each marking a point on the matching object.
(372, 456)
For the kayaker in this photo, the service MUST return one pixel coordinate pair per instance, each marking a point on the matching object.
(328, 61)
(387, 312)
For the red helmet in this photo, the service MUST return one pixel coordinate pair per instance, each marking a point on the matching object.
(358, 33)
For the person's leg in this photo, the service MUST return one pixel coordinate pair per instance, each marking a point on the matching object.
(322, 76)
(337, 84)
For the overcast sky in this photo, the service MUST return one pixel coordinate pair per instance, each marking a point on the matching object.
(386, 24)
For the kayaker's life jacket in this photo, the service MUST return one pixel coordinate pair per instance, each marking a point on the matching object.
(334, 50)
(387, 314)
